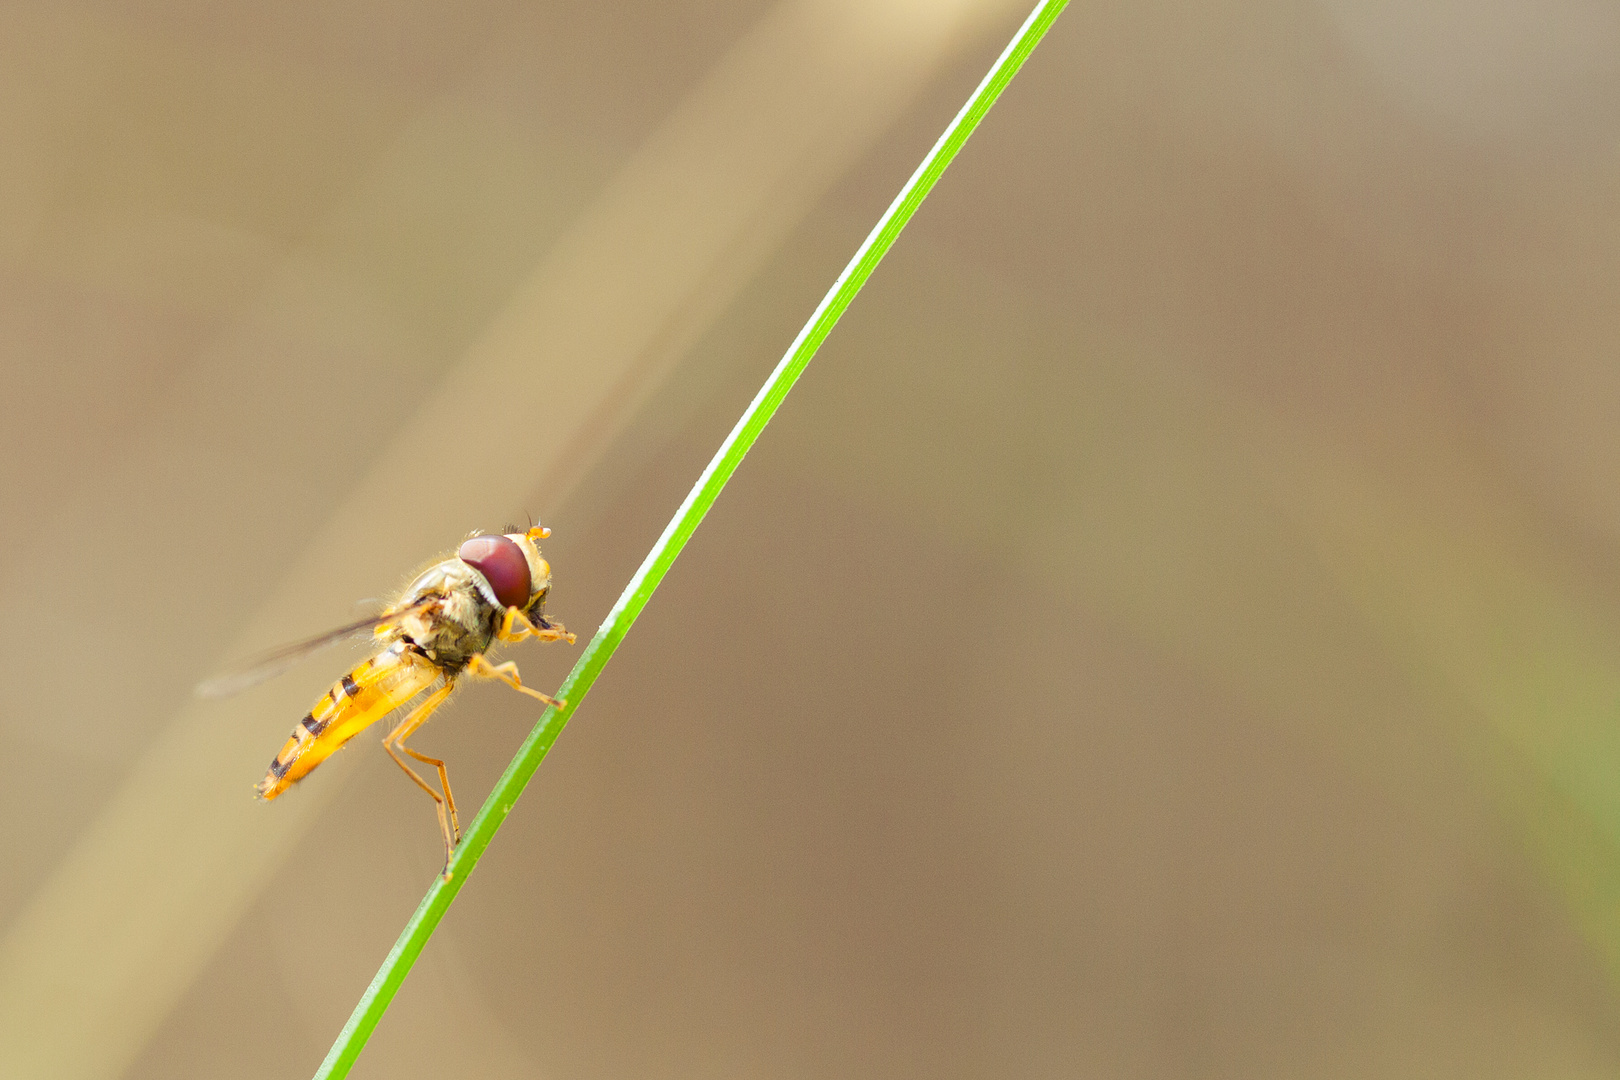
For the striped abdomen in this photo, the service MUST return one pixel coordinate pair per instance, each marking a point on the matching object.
(362, 697)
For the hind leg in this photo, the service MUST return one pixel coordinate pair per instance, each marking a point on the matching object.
(394, 741)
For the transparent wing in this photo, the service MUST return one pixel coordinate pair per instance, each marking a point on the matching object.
(274, 662)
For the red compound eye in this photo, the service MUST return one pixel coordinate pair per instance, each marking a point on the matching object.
(502, 562)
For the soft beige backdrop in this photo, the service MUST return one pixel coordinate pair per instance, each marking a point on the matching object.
(1171, 631)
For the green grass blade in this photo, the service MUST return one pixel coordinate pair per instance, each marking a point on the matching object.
(352, 1039)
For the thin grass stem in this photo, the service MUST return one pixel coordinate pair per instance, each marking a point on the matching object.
(374, 1002)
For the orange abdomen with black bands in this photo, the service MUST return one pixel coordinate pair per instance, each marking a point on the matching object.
(371, 691)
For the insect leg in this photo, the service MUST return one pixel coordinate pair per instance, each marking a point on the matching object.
(449, 801)
(550, 631)
(394, 740)
(508, 674)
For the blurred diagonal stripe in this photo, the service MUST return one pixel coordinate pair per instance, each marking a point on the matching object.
(1520, 669)
(1265, 552)
(1482, 621)
(110, 941)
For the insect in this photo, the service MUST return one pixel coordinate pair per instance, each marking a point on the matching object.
(493, 590)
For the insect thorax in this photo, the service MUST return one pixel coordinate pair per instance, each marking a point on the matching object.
(462, 625)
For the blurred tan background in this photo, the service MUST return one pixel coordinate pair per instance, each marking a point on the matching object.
(1170, 631)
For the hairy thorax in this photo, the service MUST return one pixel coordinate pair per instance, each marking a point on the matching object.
(459, 627)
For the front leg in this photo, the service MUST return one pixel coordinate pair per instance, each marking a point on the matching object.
(546, 631)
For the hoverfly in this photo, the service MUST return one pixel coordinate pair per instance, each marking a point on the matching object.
(493, 590)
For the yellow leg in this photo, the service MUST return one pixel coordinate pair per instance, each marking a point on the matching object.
(395, 740)
(508, 674)
(549, 631)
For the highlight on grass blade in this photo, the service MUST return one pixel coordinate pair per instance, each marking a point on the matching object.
(374, 1002)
